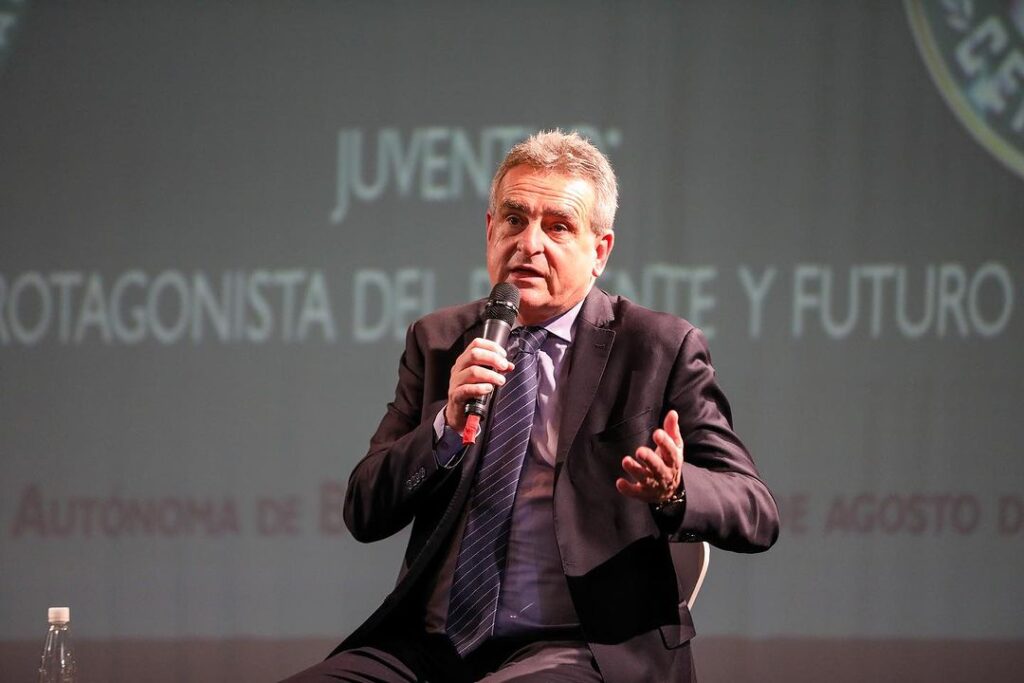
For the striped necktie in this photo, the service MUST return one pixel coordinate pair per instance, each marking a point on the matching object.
(474, 594)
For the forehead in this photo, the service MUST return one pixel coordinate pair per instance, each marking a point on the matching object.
(541, 191)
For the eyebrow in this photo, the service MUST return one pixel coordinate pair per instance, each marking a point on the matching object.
(515, 205)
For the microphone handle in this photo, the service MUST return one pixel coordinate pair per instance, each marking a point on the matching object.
(496, 331)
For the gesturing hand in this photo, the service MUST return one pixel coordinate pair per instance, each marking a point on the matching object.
(656, 472)
(475, 373)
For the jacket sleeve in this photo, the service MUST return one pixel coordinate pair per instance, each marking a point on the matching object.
(399, 471)
(726, 504)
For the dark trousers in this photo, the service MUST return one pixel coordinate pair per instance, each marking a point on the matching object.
(431, 658)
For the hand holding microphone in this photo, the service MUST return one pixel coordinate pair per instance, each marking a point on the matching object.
(478, 370)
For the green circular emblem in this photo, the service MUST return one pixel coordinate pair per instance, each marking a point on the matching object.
(974, 50)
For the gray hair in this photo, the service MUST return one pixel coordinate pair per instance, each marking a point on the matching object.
(571, 154)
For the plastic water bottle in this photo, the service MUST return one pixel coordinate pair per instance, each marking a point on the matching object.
(58, 662)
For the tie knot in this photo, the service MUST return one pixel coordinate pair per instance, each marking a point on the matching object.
(530, 338)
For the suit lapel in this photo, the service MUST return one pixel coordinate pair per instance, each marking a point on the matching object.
(471, 333)
(591, 346)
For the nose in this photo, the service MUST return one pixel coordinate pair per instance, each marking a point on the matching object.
(531, 238)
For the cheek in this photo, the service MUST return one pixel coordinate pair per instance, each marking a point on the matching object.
(495, 252)
(498, 255)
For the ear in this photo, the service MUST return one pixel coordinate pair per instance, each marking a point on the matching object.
(602, 250)
(489, 224)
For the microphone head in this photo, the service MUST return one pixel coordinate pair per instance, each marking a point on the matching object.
(503, 303)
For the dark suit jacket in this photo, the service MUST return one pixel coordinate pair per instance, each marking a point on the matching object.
(628, 367)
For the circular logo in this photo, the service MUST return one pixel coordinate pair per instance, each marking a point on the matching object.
(974, 50)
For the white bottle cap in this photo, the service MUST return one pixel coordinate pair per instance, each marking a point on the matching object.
(59, 615)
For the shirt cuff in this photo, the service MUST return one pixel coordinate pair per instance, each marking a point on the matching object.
(447, 443)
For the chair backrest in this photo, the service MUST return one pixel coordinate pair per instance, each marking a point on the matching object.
(691, 561)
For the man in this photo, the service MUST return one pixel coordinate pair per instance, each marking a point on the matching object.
(542, 553)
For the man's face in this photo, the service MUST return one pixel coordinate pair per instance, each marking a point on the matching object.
(539, 239)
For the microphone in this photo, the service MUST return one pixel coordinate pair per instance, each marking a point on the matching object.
(499, 314)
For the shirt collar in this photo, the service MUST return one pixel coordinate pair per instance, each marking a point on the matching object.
(562, 325)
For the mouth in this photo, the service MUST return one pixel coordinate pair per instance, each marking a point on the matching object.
(520, 272)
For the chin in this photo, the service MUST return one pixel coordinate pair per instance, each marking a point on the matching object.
(532, 298)
(535, 309)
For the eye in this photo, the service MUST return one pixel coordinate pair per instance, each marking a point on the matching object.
(513, 220)
(561, 230)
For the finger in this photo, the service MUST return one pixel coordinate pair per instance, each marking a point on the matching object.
(630, 489)
(476, 374)
(481, 343)
(481, 356)
(636, 470)
(672, 427)
(668, 449)
(655, 464)
(465, 392)
(648, 484)
(478, 348)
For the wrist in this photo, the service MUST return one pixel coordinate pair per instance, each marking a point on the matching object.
(678, 498)
(454, 418)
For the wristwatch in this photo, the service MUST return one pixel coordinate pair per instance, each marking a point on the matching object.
(678, 498)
